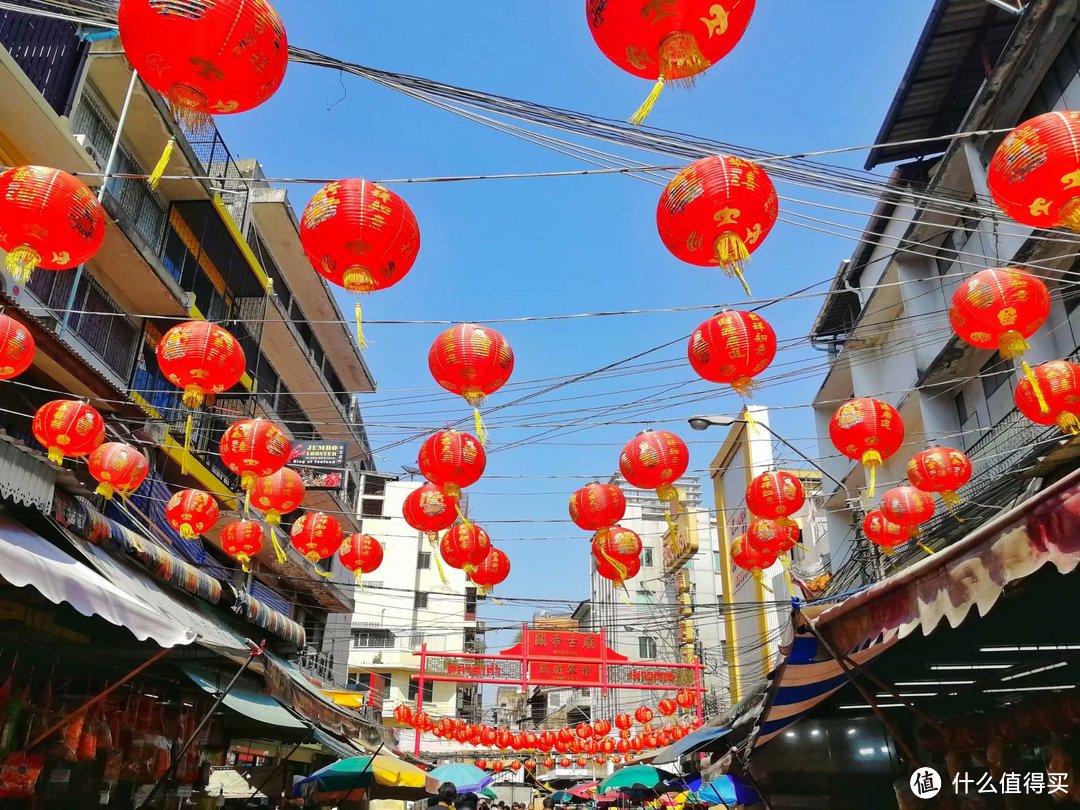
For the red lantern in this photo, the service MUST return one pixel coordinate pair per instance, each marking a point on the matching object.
(473, 362)
(48, 219)
(623, 722)
(772, 538)
(487, 737)
(530, 764)
(515, 741)
(672, 41)
(503, 738)
(254, 448)
(618, 571)
(667, 707)
(748, 558)
(623, 746)
(941, 470)
(582, 762)
(907, 507)
(643, 714)
(242, 540)
(493, 570)
(584, 731)
(595, 507)
(547, 740)
(465, 546)
(775, 495)
(655, 460)
(403, 714)
(1059, 384)
(202, 358)
(883, 532)
(564, 762)
(361, 554)
(1032, 176)
(430, 510)
(686, 698)
(515, 765)
(497, 766)
(452, 460)
(421, 721)
(278, 494)
(1000, 310)
(591, 747)
(602, 727)
(867, 430)
(192, 512)
(68, 428)
(528, 740)
(481, 764)
(317, 536)
(118, 467)
(208, 59)
(607, 745)
(619, 544)
(16, 348)
(732, 348)
(549, 762)
(616, 758)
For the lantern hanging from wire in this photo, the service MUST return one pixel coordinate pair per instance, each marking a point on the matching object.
(619, 543)
(602, 728)
(493, 570)
(686, 698)
(242, 540)
(48, 219)
(1059, 384)
(655, 460)
(278, 494)
(1034, 176)
(624, 722)
(317, 536)
(883, 532)
(716, 212)
(619, 571)
(16, 348)
(775, 495)
(118, 468)
(597, 507)
(867, 430)
(473, 362)
(452, 460)
(253, 449)
(361, 554)
(192, 512)
(465, 546)
(942, 470)
(908, 507)
(667, 707)
(668, 41)
(731, 348)
(745, 556)
(772, 538)
(403, 714)
(430, 510)
(68, 428)
(643, 714)
(360, 236)
(201, 358)
(227, 56)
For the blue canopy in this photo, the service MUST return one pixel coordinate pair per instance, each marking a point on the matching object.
(725, 790)
(699, 740)
(466, 778)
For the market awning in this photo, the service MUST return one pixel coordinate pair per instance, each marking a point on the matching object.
(699, 740)
(28, 559)
(244, 698)
(339, 747)
(229, 783)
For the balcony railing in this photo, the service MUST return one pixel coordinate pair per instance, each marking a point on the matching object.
(318, 664)
(50, 52)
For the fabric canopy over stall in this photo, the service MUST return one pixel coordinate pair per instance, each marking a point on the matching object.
(245, 699)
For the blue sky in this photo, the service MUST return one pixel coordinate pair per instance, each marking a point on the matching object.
(807, 76)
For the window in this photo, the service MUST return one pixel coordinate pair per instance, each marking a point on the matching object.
(423, 562)
(429, 690)
(996, 373)
(962, 412)
(420, 602)
(646, 647)
(373, 638)
(372, 495)
(643, 596)
(470, 601)
(716, 561)
(646, 556)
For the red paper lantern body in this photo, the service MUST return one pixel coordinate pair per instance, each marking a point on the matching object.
(493, 570)
(403, 714)
(942, 470)
(227, 56)
(624, 722)
(192, 512)
(667, 707)
(452, 460)
(1059, 385)
(686, 698)
(242, 540)
(471, 361)
(254, 448)
(602, 728)
(867, 430)
(16, 348)
(617, 545)
(618, 571)
(48, 219)
(775, 495)
(430, 510)
(465, 546)
(717, 211)
(748, 558)
(361, 554)
(597, 506)
(772, 538)
(1000, 309)
(883, 532)
(584, 730)
(655, 460)
(1033, 174)
(907, 507)
(732, 348)
(278, 494)
(317, 536)
(68, 428)
(643, 714)
(202, 358)
(117, 467)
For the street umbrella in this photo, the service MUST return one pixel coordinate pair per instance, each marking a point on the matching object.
(488, 793)
(376, 777)
(466, 778)
(564, 797)
(636, 778)
(725, 790)
(586, 790)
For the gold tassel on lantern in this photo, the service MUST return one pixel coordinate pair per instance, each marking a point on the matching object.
(925, 547)
(163, 163)
(1068, 423)
(245, 563)
(680, 61)
(279, 552)
(642, 112)
(481, 432)
(321, 573)
(361, 342)
(460, 514)
(21, 263)
(189, 426)
(1035, 389)
(433, 538)
(871, 460)
(732, 256)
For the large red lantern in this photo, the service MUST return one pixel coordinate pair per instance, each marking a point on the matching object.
(686, 698)
(883, 532)
(317, 536)
(68, 428)
(601, 728)
(16, 348)
(717, 211)
(773, 538)
(942, 470)
(361, 554)
(732, 348)
(202, 358)
(624, 722)
(745, 556)
(465, 546)
(242, 540)
(616, 570)
(48, 219)
(596, 507)
(607, 745)
(117, 467)
(775, 495)
(452, 460)
(192, 512)
(403, 714)
(278, 494)
(430, 510)
(1033, 174)
(670, 41)
(1059, 385)
(254, 448)
(584, 731)
(655, 460)
(617, 544)
(667, 707)
(493, 570)
(908, 507)
(473, 362)
(207, 59)
(867, 430)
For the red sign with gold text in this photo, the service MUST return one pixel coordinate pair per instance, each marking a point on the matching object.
(563, 644)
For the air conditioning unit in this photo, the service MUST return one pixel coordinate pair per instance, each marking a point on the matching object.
(88, 147)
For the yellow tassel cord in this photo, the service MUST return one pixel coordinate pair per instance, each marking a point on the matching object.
(247, 502)
(925, 548)
(21, 262)
(279, 552)
(273, 518)
(620, 570)
(750, 421)
(360, 325)
(321, 573)
(744, 386)
(732, 255)
(1068, 423)
(193, 397)
(358, 575)
(888, 551)
(624, 592)
(187, 532)
(105, 490)
(245, 563)
(460, 514)
(871, 460)
(56, 456)
(952, 502)
(1035, 389)
(495, 601)
(163, 163)
(642, 112)
(481, 433)
(759, 575)
(787, 576)
(189, 427)
(432, 538)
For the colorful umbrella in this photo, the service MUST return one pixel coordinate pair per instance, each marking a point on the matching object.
(725, 790)
(586, 790)
(636, 777)
(488, 793)
(466, 778)
(376, 777)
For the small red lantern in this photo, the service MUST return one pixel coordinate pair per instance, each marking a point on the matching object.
(623, 746)
(771, 537)
(452, 460)
(883, 532)
(118, 467)
(493, 570)
(192, 512)
(421, 721)
(565, 762)
(596, 507)
(278, 494)
(655, 460)
(497, 766)
(942, 470)
(549, 762)
(907, 507)
(616, 758)
(748, 558)
(16, 348)
(530, 764)
(430, 510)
(732, 348)
(361, 554)
(584, 731)
(254, 448)
(686, 698)
(667, 707)
(618, 571)
(601, 728)
(48, 219)
(1059, 384)
(473, 362)
(607, 745)
(515, 765)
(403, 714)
(1032, 176)
(591, 747)
(317, 536)
(242, 540)
(623, 722)
(68, 428)
(202, 358)
(481, 764)
(582, 762)
(867, 430)
(206, 59)
(643, 714)
(465, 546)
(775, 495)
